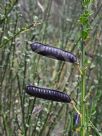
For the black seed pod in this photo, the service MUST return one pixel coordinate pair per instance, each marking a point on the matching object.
(76, 119)
(47, 94)
(52, 52)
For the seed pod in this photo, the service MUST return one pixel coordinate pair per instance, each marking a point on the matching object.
(47, 94)
(52, 52)
(76, 119)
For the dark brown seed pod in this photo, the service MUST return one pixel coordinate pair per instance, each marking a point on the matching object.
(52, 52)
(47, 94)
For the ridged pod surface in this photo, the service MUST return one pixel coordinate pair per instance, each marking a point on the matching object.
(48, 94)
(52, 52)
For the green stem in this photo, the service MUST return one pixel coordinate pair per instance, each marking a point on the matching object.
(83, 90)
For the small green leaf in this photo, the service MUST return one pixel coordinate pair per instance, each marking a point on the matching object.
(5, 38)
(84, 34)
(10, 34)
